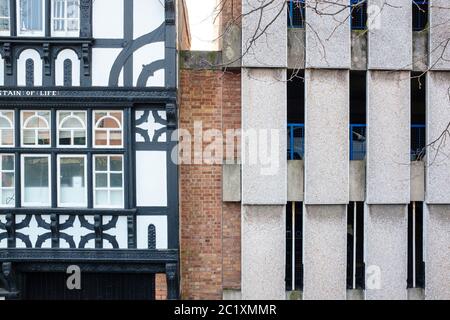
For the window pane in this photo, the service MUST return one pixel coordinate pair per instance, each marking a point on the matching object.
(8, 179)
(44, 137)
(79, 138)
(36, 182)
(101, 163)
(116, 198)
(7, 163)
(116, 163)
(101, 198)
(64, 137)
(101, 180)
(7, 137)
(31, 15)
(72, 180)
(116, 180)
(8, 198)
(115, 138)
(29, 137)
(4, 15)
(100, 138)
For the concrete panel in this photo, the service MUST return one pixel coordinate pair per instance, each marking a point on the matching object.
(326, 137)
(439, 47)
(264, 33)
(420, 51)
(437, 251)
(232, 46)
(386, 241)
(295, 180)
(418, 181)
(263, 252)
(438, 117)
(388, 137)
(328, 39)
(296, 48)
(231, 182)
(357, 180)
(325, 252)
(264, 139)
(390, 35)
(359, 50)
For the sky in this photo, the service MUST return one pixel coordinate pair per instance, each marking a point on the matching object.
(201, 20)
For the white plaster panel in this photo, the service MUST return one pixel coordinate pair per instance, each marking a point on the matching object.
(385, 250)
(388, 137)
(438, 117)
(33, 231)
(328, 38)
(325, 252)
(147, 16)
(77, 232)
(59, 67)
(263, 252)
(326, 137)
(437, 251)
(145, 56)
(21, 67)
(108, 19)
(160, 223)
(264, 116)
(2, 72)
(102, 62)
(151, 178)
(4, 242)
(119, 232)
(390, 35)
(439, 47)
(264, 33)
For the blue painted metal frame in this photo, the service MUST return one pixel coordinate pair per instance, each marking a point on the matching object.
(291, 148)
(292, 21)
(359, 129)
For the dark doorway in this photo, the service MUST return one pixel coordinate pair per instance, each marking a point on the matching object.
(94, 286)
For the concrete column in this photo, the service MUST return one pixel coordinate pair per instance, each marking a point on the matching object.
(326, 183)
(264, 165)
(437, 209)
(263, 252)
(388, 183)
(328, 38)
(439, 47)
(437, 252)
(390, 35)
(386, 247)
(325, 252)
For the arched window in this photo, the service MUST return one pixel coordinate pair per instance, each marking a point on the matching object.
(71, 128)
(6, 128)
(36, 128)
(108, 129)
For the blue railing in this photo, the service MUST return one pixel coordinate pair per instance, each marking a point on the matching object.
(296, 141)
(359, 14)
(357, 141)
(420, 14)
(296, 13)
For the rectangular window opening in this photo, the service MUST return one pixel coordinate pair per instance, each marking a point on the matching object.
(7, 181)
(5, 19)
(72, 181)
(418, 114)
(296, 115)
(296, 13)
(355, 246)
(358, 14)
(36, 182)
(31, 15)
(420, 14)
(294, 246)
(416, 265)
(65, 18)
(357, 115)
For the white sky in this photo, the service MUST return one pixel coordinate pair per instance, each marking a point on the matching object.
(201, 20)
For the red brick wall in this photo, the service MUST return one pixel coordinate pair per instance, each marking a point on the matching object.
(160, 287)
(210, 230)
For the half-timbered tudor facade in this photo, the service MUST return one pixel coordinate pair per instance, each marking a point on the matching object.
(87, 106)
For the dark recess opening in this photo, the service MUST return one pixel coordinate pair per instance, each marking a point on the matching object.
(298, 246)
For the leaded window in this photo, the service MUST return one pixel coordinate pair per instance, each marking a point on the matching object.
(108, 129)
(72, 129)
(36, 128)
